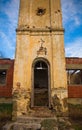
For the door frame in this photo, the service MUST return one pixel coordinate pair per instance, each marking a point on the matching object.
(32, 81)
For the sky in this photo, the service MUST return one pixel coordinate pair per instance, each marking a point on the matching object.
(72, 23)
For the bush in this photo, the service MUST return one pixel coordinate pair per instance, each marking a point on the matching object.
(5, 111)
(75, 111)
(48, 124)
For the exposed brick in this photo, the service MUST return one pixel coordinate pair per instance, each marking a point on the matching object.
(73, 60)
(6, 90)
(75, 91)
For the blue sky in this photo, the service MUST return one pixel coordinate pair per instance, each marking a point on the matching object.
(72, 22)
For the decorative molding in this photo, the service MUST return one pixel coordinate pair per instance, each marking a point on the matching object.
(40, 29)
(42, 50)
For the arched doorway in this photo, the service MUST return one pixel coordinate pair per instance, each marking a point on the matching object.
(41, 83)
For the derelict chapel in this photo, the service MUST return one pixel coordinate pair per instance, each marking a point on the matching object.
(39, 69)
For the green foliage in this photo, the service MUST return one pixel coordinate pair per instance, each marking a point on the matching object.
(75, 111)
(5, 111)
(77, 106)
(48, 124)
(78, 127)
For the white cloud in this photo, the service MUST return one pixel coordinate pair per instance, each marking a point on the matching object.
(72, 19)
(0, 55)
(11, 10)
(8, 34)
(7, 48)
(74, 49)
(72, 12)
(6, 41)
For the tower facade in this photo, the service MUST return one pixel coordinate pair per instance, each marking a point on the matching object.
(39, 70)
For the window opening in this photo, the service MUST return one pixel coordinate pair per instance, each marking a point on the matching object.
(3, 77)
(74, 77)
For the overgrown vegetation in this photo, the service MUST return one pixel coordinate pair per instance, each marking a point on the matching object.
(75, 111)
(78, 127)
(5, 111)
(77, 124)
(48, 124)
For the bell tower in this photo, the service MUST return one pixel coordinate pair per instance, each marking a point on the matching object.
(39, 70)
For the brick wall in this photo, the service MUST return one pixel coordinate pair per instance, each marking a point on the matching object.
(75, 91)
(73, 60)
(6, 90)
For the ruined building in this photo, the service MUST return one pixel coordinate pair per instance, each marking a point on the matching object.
(42, 78)
(40, 60)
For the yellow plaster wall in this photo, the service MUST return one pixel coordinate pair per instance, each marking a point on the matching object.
(31, 29)
(27, 47)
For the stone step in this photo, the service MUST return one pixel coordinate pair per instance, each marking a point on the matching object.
(30, 120)
(25, 119)
(41, 112)
(30, 123)
(25, 126)
(35, 123)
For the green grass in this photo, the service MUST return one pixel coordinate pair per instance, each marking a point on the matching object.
(5, 111)
(75, 111)
(77, 124)
(48, 124)
(78, 127)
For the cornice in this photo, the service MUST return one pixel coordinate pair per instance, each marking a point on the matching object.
(50, 29)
